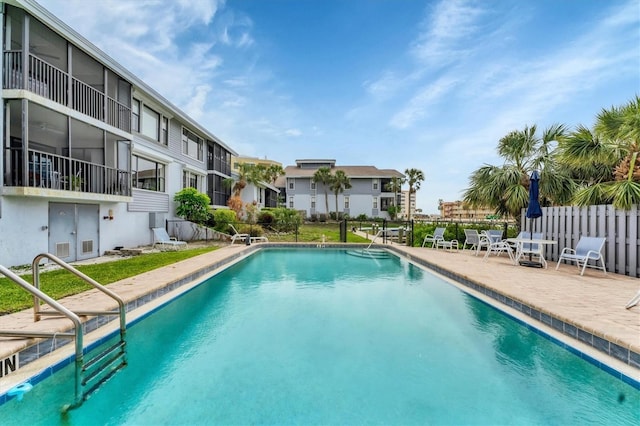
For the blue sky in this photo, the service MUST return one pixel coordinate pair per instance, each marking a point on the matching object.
(397, 84)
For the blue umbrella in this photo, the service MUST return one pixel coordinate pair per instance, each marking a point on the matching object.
(533, 210)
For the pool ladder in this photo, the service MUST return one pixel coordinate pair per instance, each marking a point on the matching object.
(94, 370)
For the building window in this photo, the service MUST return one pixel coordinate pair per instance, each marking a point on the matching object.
(218, 192)
(191, 180)
(313, 186)
(346, 201)
(219, 159)
(150, 123)
(192, 145)
(290, 202)
(375, 184)
(135, 115)
(313, 203)
(147, 174)
(164, 131)
(375, 202)
(292, 185)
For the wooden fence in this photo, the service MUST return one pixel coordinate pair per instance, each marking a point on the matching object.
(567, 223)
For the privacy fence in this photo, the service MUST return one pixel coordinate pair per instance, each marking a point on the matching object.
(566, 224)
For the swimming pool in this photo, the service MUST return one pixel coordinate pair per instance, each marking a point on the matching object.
(321, 337)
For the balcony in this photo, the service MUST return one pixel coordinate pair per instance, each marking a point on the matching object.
(59, 86)
(54, 172)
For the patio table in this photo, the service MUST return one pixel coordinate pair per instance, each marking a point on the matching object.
(521, 241)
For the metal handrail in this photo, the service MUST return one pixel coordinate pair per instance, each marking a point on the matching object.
(37, 293)
(36, 282)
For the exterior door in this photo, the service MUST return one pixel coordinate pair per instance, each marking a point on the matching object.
(73, 231)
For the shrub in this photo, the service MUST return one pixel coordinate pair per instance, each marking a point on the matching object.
(286, 220)
(252, 230)
(192, 205)
(222, 219)
(265, 218)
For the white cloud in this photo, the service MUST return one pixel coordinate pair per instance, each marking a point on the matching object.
(293, 132)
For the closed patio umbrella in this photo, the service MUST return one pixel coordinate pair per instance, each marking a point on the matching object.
(534, 210)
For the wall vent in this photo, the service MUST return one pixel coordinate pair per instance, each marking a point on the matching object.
(87, 246)
(62, 250)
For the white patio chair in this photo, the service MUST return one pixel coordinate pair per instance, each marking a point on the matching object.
(587, 249)
(471, 238)
(162, 239)
(496, 245)
(243, 237)
(438, 234)
(531, 249)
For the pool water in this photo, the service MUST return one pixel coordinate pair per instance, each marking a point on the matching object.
(321, 337)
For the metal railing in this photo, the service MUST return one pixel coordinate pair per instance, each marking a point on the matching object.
(52, 171)
(59, 86)
(101, 363)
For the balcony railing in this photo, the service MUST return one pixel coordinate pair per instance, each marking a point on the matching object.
(67, 174)
(52, 83)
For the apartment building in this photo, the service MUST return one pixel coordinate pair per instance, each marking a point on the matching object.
(407, 201)
(368, 194)
(458, 210)
(92, 156)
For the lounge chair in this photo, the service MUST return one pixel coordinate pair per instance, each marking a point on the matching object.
(162, 239)
(587, 249)
(531, 249)
(438, 234)
(243, 237)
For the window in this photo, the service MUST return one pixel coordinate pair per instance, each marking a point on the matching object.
(135, 115)
(375, 184)
(150, 123)
(346, 201)
(164, 134)
(290, 202)
(292, 185)
(192, 145)
(375, 202)
(147, 174)
(313, 186)
(218, 192)
(191, 180)
(219, 159)
(313, 203)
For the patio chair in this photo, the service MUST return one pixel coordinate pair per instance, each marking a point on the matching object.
(471, 238)
(485, 238)
(162, 239)
(438, 234)
(587, 249)
(531, 249)
(243, 237)
(496, 245)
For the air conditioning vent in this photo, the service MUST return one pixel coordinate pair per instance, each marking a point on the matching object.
(62, 250)
(87, 246)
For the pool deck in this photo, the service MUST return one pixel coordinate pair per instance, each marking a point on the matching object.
(593, 303)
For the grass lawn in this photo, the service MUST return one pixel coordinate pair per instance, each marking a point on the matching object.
(60, 283)
(313, 233)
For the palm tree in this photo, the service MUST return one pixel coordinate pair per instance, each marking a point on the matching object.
(339, 183)
(605, 160)
(323, 176)
(414, 178)
(506, 188)
(272, 173)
